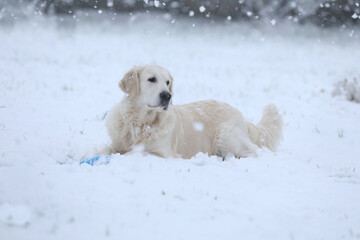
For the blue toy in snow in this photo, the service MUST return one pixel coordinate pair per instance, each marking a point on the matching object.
(97, 160)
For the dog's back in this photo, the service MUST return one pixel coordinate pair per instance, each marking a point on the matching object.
(217, 128)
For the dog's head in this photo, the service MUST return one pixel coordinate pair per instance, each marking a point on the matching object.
(148, 87)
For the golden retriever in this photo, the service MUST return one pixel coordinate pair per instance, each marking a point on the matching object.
(147, 116)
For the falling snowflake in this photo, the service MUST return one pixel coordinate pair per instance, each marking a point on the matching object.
(191, 13)
(273, 22)
(157, 3)
(354, 16)
(202, 9)
(198, 126)
(110, 3)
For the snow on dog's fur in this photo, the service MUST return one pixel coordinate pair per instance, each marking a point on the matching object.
(146, 116)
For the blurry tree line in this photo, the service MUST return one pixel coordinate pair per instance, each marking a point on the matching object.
(324, 13)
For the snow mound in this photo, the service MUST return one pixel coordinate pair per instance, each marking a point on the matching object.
(350, 89)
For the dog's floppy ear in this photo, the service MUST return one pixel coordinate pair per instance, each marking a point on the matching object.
(130, 83)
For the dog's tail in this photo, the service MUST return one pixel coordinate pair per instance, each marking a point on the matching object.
(268, 132)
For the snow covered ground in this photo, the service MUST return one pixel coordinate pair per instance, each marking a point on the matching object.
(58, 81)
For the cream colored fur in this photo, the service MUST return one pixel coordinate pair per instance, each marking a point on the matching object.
(183, 131)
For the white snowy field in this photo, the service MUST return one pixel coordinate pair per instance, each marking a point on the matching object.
(57, 83)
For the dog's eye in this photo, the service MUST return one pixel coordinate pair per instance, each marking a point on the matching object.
(167, 82)
(152, 79)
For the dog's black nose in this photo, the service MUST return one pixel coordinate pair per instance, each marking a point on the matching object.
(165, 97)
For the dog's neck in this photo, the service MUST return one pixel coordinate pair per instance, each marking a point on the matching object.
(148, 124)
(148, 117)
(145, 116)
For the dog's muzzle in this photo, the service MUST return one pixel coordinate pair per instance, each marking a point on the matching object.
(165, 97)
